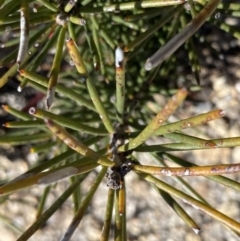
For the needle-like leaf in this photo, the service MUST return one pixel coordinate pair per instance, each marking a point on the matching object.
(180, 38)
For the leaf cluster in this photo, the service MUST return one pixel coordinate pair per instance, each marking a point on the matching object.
(98, 65)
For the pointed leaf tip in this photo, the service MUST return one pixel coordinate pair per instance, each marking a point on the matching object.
(196, 230)
(50, 97)
(19, 88)
(21, 71)
(222, 112)
(119, 57)
(148, 65)
(5, 107)
(68, 40)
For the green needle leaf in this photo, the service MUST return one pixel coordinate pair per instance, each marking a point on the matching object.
(55, 67)
(180, 38)
(153, 127)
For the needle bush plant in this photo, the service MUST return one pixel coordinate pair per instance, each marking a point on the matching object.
(98, 64)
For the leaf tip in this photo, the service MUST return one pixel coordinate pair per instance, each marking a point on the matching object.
(19, 88)
(196, 230)
(5, 107)
(119, 57)
(148, 65)
(82, 22)
(21, 71)
(5, 124)
(222, 112)
(32, 111)
(50, 97)
(69, 40)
